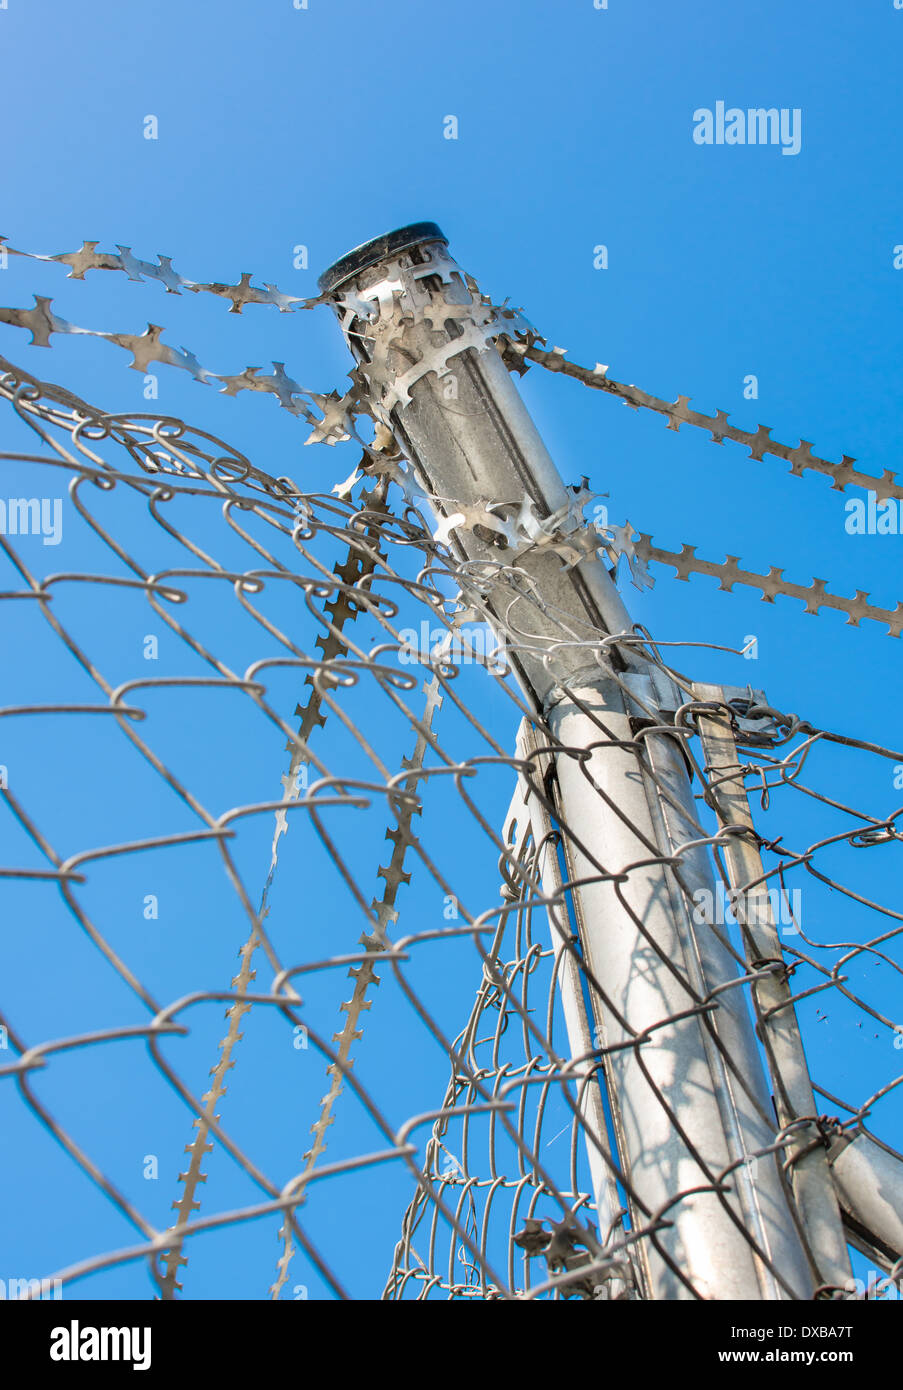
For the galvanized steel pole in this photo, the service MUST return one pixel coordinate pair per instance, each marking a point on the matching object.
(811, 1178)
(685, 1077)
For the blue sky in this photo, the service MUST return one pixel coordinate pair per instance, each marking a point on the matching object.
(324, 126)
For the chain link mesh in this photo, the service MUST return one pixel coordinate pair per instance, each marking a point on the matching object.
(165, 809)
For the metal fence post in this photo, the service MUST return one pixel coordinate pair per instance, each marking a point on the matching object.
(794, 1100)
(682, 1061)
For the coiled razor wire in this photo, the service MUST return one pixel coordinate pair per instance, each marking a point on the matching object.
(349, 1077)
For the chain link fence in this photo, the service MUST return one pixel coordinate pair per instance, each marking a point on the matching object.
(296, 983)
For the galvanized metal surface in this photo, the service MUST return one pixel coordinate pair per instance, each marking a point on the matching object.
(869, 1180)
(683, 1115)
(771, 992)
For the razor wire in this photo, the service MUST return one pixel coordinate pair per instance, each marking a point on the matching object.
(333, 414)
(177, 516)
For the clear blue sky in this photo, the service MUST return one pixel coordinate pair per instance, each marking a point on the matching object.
(324, 126)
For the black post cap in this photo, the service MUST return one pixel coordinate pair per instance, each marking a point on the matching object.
(371, 252)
